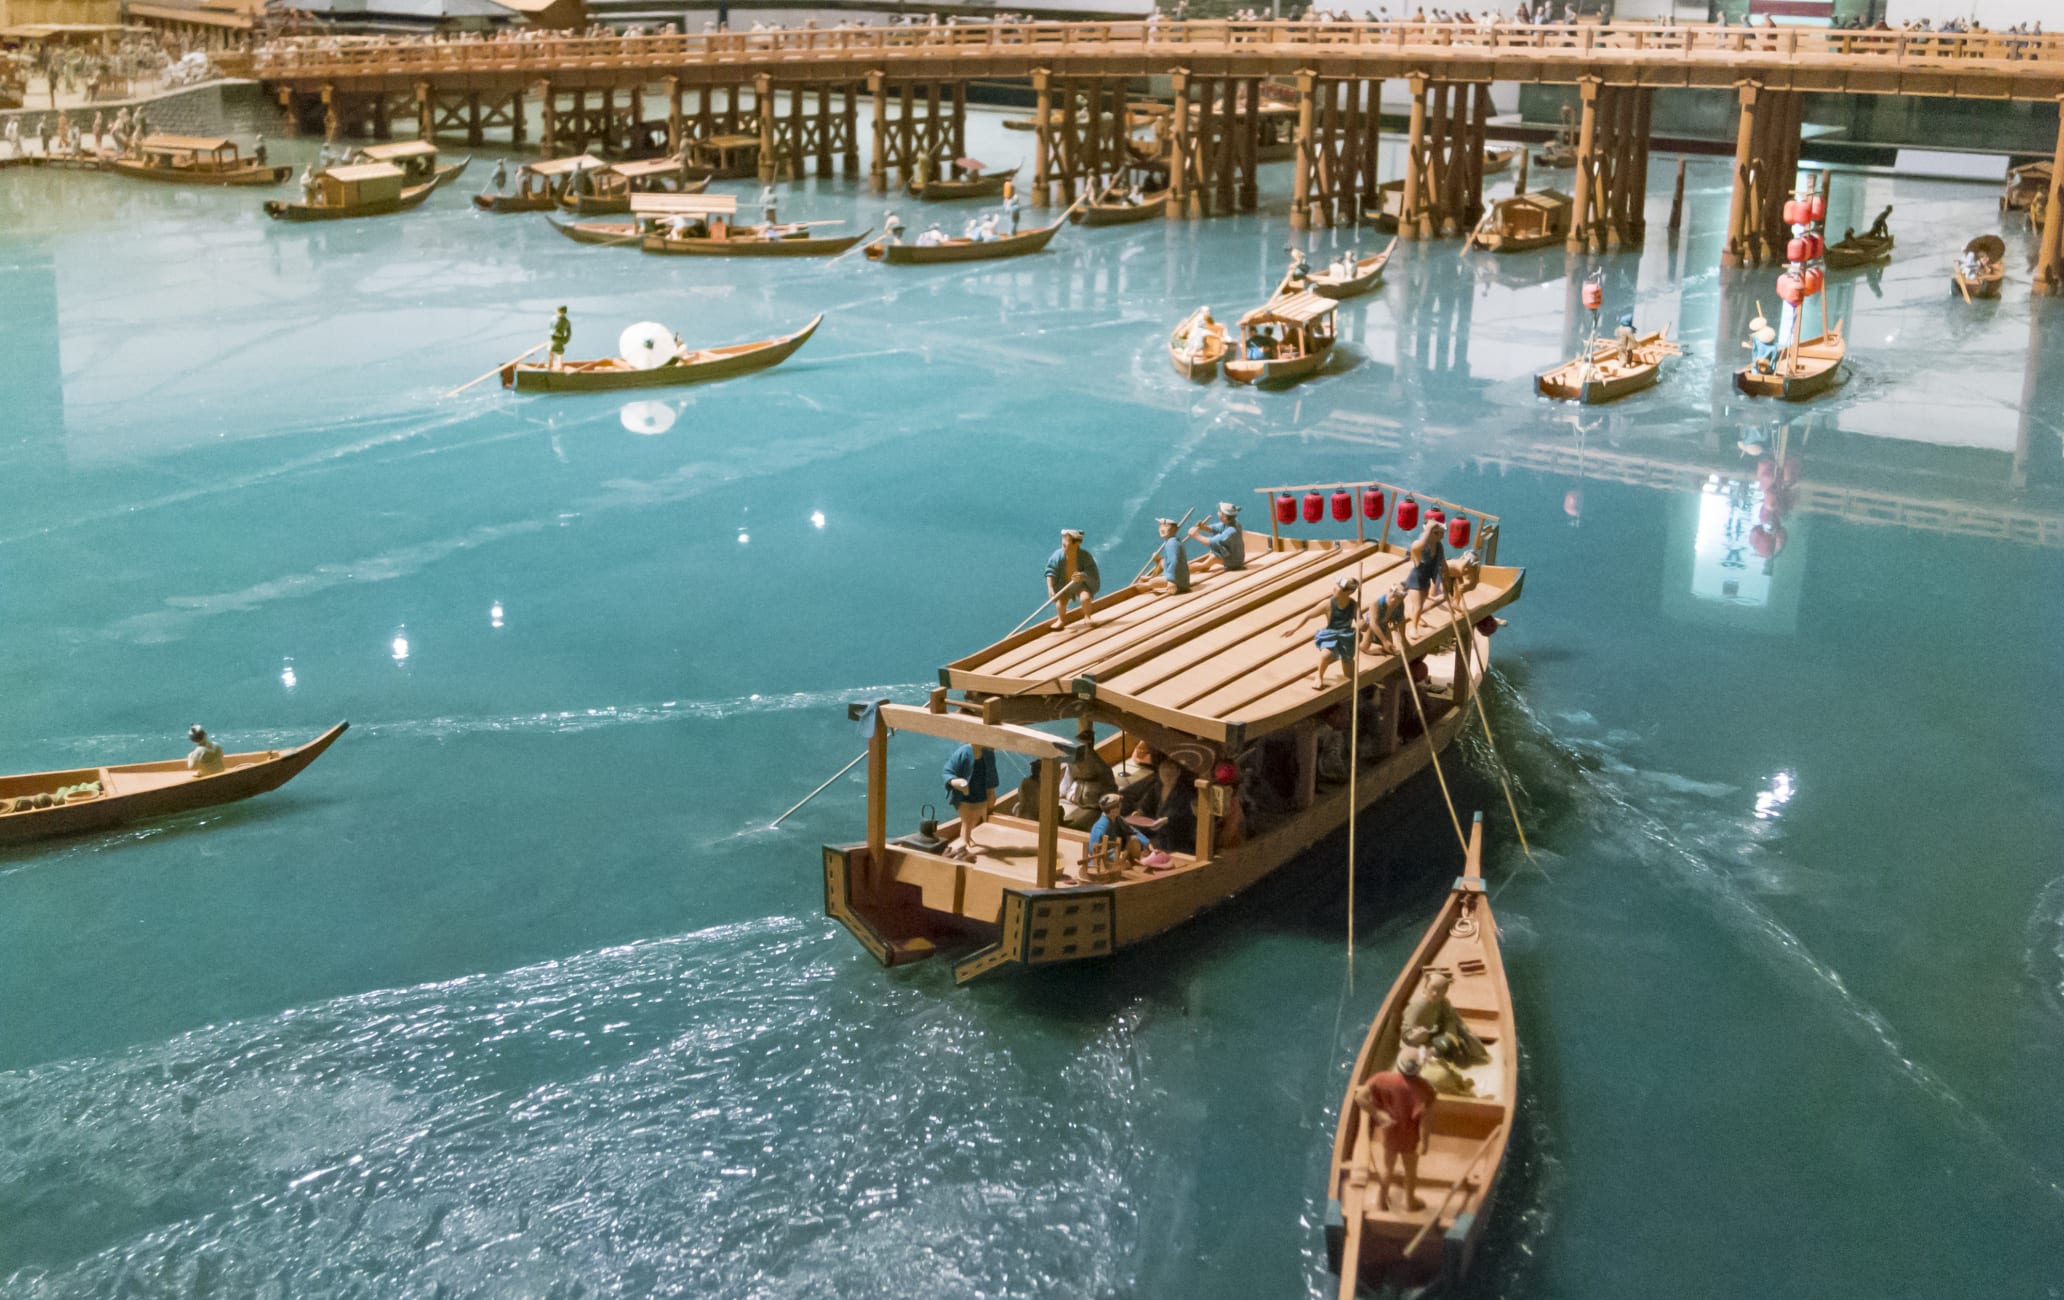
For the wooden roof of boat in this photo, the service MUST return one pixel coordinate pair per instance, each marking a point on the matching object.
(194, 143)
(363, 171)
(728, 141)
(1298, 308)
(562, 166)
(646, 167)
(690, 205)
(1214, 662)
(1539, 199)
(399, 149)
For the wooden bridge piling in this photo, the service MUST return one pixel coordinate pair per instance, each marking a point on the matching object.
(2049, 266)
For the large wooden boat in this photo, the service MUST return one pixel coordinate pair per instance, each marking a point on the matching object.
(1601, 376)
(1424, 1252)
(2025, 185)
(1498, 160)
(610, 188)
(1284, 340)
(968, 180)
(1109, 211)
(1522, 222)
(697, 215)
(1365, 275)
(689, 366)
(417, 160)
(1206, 677)
(354, 190)
(1199, 362)
(195, 160)
(539, 185)
(133, 791)
(1982, 269)
(699, 225)
(965, 250)
(1807, 369)
(1856, 250)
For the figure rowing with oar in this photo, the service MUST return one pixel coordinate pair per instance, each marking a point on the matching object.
(1071, 572)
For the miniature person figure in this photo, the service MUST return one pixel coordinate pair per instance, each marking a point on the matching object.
(1386, 620)
(1222, 537)
(1428, 574)
(43, 135)
(562, 334)
(932, 236)
(1084, 783)
(1397, 1102)
(1448, 1037)
(986, 233)
(970, 784)
(13, 138)
(100, 129)
(308, 185)
(1111, 836)
(769, 202)
(1071, 572)
(501, 175)
(323, 158)
(206, 758)
(1763, 346)
(1881, 228)
(1440, 1075)
(1202, 330)
(892, 228)
(1011, 208)
(1336, 640)
(1300, 271)
(1171, 561)
(1624, 337)
(1028, 791)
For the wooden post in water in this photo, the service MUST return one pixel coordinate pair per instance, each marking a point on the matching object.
(877, 165)
(1180, 195)
(1042, 137)
(1587, 162)
(1415, 167)
(1637, 210)
(1434, 199)
(548, 137)
(1301, 172)
(763, 109)
(849, 121)
(1737, 251)
(674, 143)
(878, 791)
(2049, 267)
(1677, 200)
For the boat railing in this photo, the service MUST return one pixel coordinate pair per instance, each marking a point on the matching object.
(1484, 526)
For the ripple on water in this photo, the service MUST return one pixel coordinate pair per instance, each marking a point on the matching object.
(2046, 945)
(722, 1114)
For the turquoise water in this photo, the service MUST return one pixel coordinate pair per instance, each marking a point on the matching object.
(513, 994)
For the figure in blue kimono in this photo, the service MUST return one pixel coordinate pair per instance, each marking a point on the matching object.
(1221, 536)
(1171, 565)
(1011, 207)
(1071, 573)
(1113, 840)
(1763, 346)
(1386, 620)
(1336, 640)
(970, 785)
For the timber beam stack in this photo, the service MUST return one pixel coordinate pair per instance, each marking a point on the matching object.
(1444, 157)
(1339, 126)
(1766, 162)
(1612, 168)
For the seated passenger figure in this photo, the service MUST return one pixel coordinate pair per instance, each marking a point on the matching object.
(1171, 799)
(1084, 783)
(892, 228)
(1201, 331)
(1336, 640)
(1447, 1036)
(1222, 537)
(1171, 565)
(1763, 347)
(932, 236)
(206, 758)
(1028, 793)
(986, 233)
(1112, 838)
(1441, 1075)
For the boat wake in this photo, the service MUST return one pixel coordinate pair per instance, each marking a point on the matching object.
(721, 1114)
(2046, 946)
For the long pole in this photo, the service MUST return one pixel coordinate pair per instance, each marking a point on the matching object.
(819, 790)
(496, 371)
(1476, 694)
(1454, 1188)
(1157, 550)
(1354, 769)
(1432, 750)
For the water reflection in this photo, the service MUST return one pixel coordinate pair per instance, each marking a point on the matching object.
(647, 417)
(399, 646)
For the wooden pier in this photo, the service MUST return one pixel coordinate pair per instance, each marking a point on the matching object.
(795, 93)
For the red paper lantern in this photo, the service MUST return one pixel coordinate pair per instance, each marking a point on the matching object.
(1594, 295)
(1314, 507)
(1813, 281)
(1487, 625)
(1815, 246)
(1573, 503)
(1286, 509)
(1816, 207)
(1791, 288)
(1794, 212)
(1792, 470)
(1760, 542)
(1226, 774)
(1458, 532)
(1372, 503)
(1798, 250)
(1766, 473)
(1436, 515)
(1343, 505)
(1408, 513)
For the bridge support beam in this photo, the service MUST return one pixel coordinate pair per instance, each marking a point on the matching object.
(2049, 265)
(1042, 137)
(1579, 239)
(1180, 148)
(878, 162)
(548, 128)
(763, 106)
(1415, 162)
(1766, 162)
(1307, 148)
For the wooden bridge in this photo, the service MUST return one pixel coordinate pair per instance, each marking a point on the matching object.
(1242, 93)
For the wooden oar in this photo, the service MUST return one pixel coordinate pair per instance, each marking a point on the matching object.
(814, 793)
(1141, 576)
(859, 245)
(496, 371)
(1352, 1209)
(1455, 1187)
(1469, 653)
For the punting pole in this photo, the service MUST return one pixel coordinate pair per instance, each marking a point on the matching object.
(1141, 575)
(1353, 1207)
(1476, 694)
(819, 790)
(1455, 1187)
(1354, 763)
(496, 371)
(1432, 750)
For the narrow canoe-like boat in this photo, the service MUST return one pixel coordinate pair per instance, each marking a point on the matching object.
(534, 201)
(413, 196)
(1366, 275)
(1497, 160)
(1427, 1251)
(971, 183)
(1556, 153)
(1201, 362)
(1982, 269)
(599, 232)
(134, 791)
(748, 241)
(1858, 250)
(1600, 376)
(964, 250)
(1124, 214)
(1811, 371)
(195, 160)
(1295, 333)
(697, 367)
(451, 172)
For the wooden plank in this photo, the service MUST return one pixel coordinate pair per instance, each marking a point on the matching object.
(972, 731)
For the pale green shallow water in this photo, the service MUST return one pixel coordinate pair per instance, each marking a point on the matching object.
(511, 996)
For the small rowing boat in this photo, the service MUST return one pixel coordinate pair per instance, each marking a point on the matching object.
(792, 240)
(610, 188)
(195, 160)
(354, 190)
(1109, 211)
(1522, 222)
(1982, 269)
(1424, 1251)
(97, 798)
(1859, 250)
(964, 250)
(1805, 370)
(417, 160)
(2026, 184)
(683, 366)
(1602, 374)
(1284, 340)
(969, 180)
(1354, 281)
(1197, 346)
(1498, 160)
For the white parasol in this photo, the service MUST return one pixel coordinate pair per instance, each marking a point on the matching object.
(646, 345)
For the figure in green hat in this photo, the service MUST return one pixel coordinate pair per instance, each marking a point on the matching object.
(562, 334)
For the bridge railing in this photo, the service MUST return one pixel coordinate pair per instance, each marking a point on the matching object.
(1642, 42)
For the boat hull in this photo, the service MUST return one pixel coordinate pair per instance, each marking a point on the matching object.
(1126, 214)
(410, 198)
(158, 790)
(985, 187)
(251, 175)
(1244, 371)
(1203, 366)
(1982, 286)
(750, 247)
(1818, 366)
(1852, 253)
(720, 363)
(1032, 241)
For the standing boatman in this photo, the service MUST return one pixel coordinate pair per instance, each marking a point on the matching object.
(1010, 204)
(892, 228)
(501, 175)
(1071, 572)
(768, 202)
(562, 334)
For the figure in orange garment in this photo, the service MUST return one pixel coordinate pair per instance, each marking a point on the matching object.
(1398, 1102)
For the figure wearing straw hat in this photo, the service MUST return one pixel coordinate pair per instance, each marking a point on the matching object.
(1071, 572)
(1221, 536)
(562, 334)
(1763, 346)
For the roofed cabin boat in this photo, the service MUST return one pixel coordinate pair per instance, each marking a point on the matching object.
(1428, 1251)
(2026, 184)
(727, 157)
(196, 160)
(610, 187)
(355, 190)
(417, 160)
(1522, 222)
(704, 225)
(1285, 339)
(539, 185)
(1206, 677)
